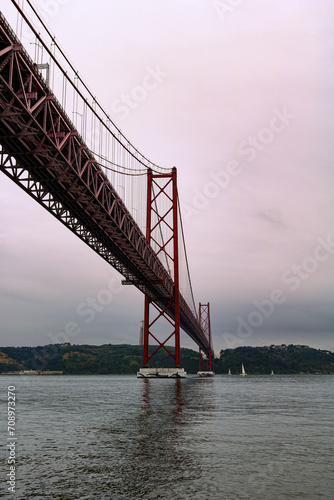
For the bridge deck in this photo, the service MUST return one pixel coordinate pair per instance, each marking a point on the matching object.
(45, 155)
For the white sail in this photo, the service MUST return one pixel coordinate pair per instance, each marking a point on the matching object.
(243, 370)
(229, 371)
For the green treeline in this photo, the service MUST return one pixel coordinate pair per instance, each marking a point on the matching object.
(279, 359)
(127, 359)
(90, 359)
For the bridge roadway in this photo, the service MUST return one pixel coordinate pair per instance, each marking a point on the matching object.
(44, 154)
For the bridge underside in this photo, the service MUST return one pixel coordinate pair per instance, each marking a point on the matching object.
(43, 153)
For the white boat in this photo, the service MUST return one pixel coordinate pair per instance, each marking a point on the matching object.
(229, 372)
(272, 372)
(243, 370)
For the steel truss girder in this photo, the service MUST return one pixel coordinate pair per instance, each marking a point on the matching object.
(43, 153)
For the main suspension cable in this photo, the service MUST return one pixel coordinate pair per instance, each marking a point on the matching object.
(186, 257)
(116, 135)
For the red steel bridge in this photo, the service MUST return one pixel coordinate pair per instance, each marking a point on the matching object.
(59, 145)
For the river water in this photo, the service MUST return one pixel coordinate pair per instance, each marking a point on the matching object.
(119, 437)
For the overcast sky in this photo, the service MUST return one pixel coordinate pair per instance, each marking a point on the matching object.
(241, 102)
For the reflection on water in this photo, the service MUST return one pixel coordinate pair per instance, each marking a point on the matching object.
(119, 437)
(158, 455)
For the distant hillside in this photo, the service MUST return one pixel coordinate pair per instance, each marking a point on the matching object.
(281, 359)
(90, 359)
(127, 359)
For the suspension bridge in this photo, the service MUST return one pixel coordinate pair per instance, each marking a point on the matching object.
(60, 146)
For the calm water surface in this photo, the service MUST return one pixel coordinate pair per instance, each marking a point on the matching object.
(118, 437)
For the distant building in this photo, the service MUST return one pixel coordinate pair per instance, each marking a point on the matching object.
(141, 333)
(282, 346)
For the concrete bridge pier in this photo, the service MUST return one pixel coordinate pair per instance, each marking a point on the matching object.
(161, 373)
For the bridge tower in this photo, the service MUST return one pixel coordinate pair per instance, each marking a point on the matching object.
(204, 319)
(162, 219)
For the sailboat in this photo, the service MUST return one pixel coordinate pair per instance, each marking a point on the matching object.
(242, 370)
(272, 372)
(229, 372)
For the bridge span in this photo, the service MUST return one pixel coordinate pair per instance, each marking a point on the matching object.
(43, 152)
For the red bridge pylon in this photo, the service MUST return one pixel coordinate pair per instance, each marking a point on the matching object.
(204, 319)
(162, 219)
